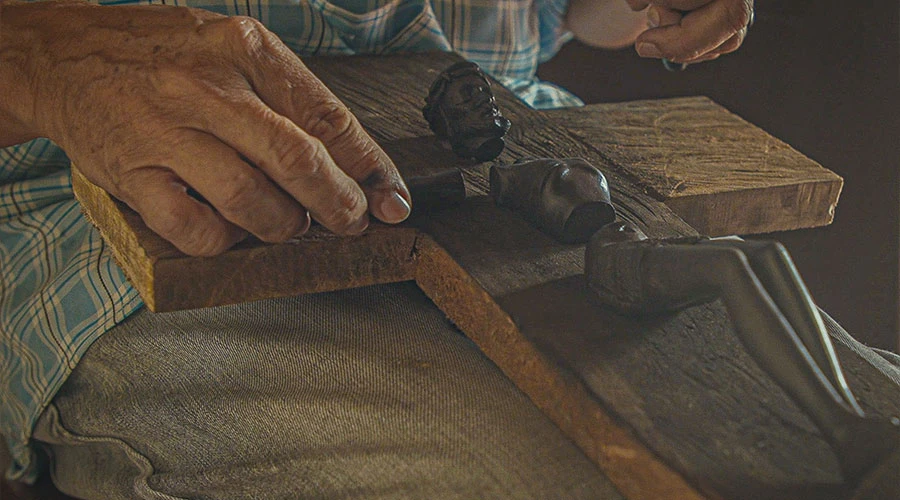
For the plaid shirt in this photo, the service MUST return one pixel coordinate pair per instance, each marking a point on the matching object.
(59, 287)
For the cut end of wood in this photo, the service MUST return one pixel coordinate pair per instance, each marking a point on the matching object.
(721, 174)
(761, 210)
(121, 230)
(635, 470)
(318, 262)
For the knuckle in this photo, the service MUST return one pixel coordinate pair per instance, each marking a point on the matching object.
(238, 192)
(329, 121)
(348, 211)
(343, 209)
(372, 169)
(245, 33)
(243, 27)
(208, 244)
(299, 159)
(289, 225)
(177, 227)
(192, 237)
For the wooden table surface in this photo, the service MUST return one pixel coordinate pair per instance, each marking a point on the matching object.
(668, 407)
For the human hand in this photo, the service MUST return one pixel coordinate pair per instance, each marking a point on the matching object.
(691, 31)
(150, 102)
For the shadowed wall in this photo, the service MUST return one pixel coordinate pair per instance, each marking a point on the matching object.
(823, 76)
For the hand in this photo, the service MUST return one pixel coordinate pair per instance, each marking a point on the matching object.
(690, 31)
(150, 102)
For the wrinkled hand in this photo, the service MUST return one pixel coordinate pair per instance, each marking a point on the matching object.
(690, 31)
(151, 101)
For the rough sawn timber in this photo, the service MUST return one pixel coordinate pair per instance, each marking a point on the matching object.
(720, 173)
(169, 280)
(668, 407)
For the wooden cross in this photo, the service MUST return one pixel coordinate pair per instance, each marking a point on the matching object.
(667, 407)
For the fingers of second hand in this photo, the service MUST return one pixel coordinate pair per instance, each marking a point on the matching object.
(162, 200)
(726, 47)
(700, 32)
(658, 17)
(286, 85)
(242, 194)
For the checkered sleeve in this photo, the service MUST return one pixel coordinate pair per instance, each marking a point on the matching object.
(60, 288)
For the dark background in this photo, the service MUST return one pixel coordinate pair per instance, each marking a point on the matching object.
(823, 76)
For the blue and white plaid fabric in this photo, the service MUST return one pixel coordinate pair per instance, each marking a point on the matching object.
(59, 287)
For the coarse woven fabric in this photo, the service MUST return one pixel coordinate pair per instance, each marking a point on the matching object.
(59, 287)
(363, 393)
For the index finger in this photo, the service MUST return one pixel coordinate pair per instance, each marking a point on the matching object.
(289, 88)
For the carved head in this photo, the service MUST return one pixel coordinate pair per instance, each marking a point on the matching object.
(567, 199)
(461, 108)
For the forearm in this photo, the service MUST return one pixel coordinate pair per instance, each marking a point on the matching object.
(604, 23)
(16, 99)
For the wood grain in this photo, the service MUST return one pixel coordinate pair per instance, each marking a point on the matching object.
(720, 173)
(668, 407)
(319, 261)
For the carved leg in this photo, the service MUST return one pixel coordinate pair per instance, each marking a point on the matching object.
(859, 442)
(768, 306)
(685, 271)
(776, 271)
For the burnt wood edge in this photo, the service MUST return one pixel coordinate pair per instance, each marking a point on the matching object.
(380, 255)
(637, 471)
(632, 467)
(102, 211)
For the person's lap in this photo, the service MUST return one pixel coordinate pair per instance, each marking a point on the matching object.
(360, 393)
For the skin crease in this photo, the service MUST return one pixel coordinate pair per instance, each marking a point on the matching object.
(683, 31)
(150, 100)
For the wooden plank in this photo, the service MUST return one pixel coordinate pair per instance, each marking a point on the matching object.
(720, 173)
(634, 469)
(404, 134)
(317, 262)
(520, 296)
(513, 291)
(691, 392)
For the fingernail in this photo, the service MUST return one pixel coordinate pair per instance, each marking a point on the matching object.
(648, 50)
(359, 226)
(394, 208)
(652, 17)
(303, 229)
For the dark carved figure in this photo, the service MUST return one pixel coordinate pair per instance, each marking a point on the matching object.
(567, 199)
(436, 192)
(461, 108)
(772, 313)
